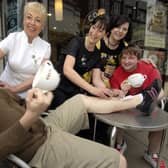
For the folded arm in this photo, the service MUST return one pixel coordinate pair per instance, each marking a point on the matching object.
(21, 87)
(25, 85)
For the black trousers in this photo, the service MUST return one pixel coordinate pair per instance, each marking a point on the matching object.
(102, 131)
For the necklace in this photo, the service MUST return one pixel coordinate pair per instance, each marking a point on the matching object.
(110, 45)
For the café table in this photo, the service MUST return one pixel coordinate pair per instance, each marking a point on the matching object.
(133, 119)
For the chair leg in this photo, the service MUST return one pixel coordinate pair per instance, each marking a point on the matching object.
(18, 161)
(94, 131)
(113, 136)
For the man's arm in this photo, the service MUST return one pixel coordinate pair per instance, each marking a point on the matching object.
(12, 138)
(36, 103)
(18, 133)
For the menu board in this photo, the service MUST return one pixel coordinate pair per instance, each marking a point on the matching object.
(158, 58)
(155, 32)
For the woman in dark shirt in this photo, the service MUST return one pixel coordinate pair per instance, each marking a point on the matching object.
(82, 56)
(118, 36)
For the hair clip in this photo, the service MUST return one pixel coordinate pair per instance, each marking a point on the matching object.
(93, 15)
(101, 11)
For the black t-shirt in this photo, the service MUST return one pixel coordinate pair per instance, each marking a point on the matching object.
(84, 62)
(110, 56)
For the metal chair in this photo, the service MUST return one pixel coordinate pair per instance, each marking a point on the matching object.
(17, 161)
(163, 104)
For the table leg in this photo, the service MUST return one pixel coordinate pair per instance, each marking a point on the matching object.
(94, 131)
(161, 146)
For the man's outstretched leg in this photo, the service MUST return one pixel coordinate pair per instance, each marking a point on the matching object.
(72, 115)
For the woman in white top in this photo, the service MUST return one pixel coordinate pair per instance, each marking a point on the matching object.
(25, 51)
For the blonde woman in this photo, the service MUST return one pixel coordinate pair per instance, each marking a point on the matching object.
(82, 56)
(24, 50)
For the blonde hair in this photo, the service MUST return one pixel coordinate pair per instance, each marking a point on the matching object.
(38, 7)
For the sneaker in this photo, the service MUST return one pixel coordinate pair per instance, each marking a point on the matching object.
(150, 95)
(153, 160)
(147, 104)
(121, 147)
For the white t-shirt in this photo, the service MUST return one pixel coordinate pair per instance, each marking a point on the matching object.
(23, 58)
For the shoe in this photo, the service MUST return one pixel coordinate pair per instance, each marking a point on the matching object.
(153, 160)
(147, 104)
(121, 147)
(150, 95)
(157, 85)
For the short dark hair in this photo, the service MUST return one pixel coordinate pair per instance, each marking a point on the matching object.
(103, 21)
(93, 17)
(134, 49)
(118, 20)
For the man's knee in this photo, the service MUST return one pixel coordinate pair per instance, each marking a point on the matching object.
(81, 97)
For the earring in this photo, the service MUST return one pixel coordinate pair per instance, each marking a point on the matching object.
(125, 43)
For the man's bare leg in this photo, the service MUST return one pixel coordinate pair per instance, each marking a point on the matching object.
(98, 105)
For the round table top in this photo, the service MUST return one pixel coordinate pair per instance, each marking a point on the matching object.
(135, 120)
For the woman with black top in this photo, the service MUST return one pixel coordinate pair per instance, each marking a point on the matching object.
(118, 36)
(82, 56)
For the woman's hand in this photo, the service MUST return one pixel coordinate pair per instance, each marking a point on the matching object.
(149, 61)
(118, 93)
(6, 86)
(2, 84)
(25, 85)
(102, 92)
